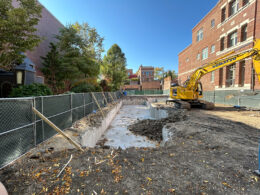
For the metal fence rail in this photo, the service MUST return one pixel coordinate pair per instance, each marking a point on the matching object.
(21, 130)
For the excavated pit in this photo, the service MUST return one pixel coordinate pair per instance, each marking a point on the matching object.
(139, 123)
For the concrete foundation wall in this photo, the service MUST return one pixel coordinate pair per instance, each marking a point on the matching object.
(93, 134)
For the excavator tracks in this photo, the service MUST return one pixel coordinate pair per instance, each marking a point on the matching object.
(179, 104)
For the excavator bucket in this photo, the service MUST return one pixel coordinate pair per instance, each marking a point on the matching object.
(256, 59)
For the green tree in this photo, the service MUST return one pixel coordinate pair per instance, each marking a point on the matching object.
(69, 45)
(172, 74)
(17, 31)
(75, 57)
(114, 67)
(52, 69)
(92, 41)
(158, 73)
(92, 49)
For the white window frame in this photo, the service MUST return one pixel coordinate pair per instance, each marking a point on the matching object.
(212, 22)
(199, 35)
(232, 39)
(246, 31)
(231, 77)
(234, 7)
(198, 56)
(205, 53)
(212, 79)
(213, 50)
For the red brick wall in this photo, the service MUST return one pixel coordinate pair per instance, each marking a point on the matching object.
(131, 87)
(167, 83)
(151, 85)
(188, 58)
(48, 27)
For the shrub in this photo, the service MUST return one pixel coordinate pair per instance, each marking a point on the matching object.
(34, 89)
(134, 79)
(85, 87)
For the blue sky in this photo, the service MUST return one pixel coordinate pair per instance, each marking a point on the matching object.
(149, 32)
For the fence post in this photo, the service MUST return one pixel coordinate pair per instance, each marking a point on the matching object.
(43, 134)
(34, 122)
(258, 171)
(104, 97)
(71, 108)
(84, 104)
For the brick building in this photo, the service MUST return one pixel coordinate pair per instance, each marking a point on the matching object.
(129, 72)
(145, 73)
(230, 25)
(30, 70)
(47, 28)
(145, 81)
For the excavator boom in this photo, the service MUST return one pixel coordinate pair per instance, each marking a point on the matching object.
(191, 91)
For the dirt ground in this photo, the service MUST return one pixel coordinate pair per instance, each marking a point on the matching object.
(211, 152)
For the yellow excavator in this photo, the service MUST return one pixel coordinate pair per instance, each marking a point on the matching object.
(190, 93)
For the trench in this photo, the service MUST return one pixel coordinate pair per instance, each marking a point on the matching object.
(118, 135)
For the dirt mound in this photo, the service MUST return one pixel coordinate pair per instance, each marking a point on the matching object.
(153, 128)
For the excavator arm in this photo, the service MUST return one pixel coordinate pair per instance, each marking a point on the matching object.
(192, 90)
(226, 61)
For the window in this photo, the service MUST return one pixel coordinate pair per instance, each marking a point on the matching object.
(233, 7)
(223, 14)
(220, 77)
(212, 79)
(200, 35)
(212, 48)
(222, 43)
(242, 73)
(205, 53)
(128, 73)
(187, 59)
(244, 33)
(212, 23)
(231, 73)
(245, 2)
(147, 74)
(232, 39)
(198, 56)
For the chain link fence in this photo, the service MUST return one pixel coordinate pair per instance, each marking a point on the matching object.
(145, 92)
(21, 130)
(233, 98)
